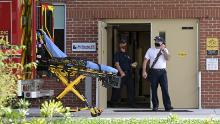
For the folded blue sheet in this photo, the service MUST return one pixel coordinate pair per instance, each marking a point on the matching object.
(56, 52)
(101, 67)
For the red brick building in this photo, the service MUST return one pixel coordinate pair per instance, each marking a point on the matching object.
(126, 18)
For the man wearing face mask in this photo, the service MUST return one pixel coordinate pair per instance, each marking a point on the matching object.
(158, 56)
(123, 63)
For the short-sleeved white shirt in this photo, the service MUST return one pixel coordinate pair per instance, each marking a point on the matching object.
(151, 54)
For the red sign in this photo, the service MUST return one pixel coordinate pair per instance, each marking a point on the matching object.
(5, 21)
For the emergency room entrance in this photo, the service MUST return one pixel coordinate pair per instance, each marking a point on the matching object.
(181, 41)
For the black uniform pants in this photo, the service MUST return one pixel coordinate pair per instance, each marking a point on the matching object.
(116, 92)
(159, 76)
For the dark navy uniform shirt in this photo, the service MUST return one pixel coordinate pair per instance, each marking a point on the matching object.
(124, 61)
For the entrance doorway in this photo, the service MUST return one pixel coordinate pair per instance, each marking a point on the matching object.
(181, 37)
(138, 37)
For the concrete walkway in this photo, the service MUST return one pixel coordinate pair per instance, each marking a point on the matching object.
(143, 113)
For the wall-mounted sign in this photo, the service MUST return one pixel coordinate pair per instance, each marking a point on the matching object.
(83, 46)
(212, 46)
(182, 54)
(212, 64)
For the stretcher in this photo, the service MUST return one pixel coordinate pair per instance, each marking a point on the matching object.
(71, 71)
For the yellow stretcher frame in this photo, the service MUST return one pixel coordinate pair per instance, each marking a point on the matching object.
(70, 87)
(66, 73)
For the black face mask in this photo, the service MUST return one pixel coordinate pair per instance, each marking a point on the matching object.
(157, 44)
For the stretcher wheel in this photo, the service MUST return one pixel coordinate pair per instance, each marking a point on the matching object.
(99, 112)
(94, 114)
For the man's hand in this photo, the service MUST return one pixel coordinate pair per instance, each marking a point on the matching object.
(144, 75)
(162, 46)
(134, 64)
(166, 55)
(122, 74)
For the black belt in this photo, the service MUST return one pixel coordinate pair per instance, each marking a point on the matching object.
(127, 70)
(157, 69)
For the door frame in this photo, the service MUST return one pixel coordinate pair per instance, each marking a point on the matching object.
(100, 50)
(138, 21)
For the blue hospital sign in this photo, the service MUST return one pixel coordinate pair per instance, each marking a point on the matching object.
(83, 46)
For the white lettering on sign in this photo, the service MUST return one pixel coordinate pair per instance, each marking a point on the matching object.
(83, 46)
(4, 35)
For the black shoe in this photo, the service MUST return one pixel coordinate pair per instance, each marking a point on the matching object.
(155, 109)
(169, 109)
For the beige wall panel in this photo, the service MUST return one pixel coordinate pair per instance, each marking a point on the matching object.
(182, 67)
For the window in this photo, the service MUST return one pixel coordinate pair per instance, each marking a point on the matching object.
(162, 34)
(59, 26)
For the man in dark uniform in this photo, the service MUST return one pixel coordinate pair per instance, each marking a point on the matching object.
(123, 64)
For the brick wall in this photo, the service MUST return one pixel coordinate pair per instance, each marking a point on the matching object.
(209, 27)
(83, 15)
